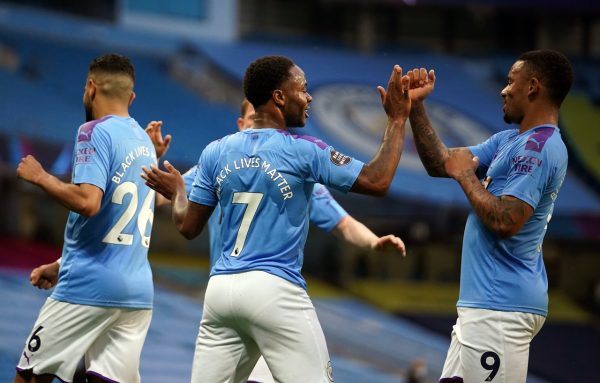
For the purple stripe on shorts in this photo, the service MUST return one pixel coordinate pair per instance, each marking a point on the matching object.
(312, 139)
(93, 373)
(30, 369)
(454, 379)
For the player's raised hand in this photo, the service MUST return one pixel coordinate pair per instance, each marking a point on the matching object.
(422, 83)
(163, 182)
(161, 144)
(30, 169)
(45, 276)
(395, 99)
(389, 242)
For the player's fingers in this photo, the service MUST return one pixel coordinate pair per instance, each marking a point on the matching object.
(397, 74)
(416, 76)
(423, 76)
(167, 140)
(170, 168)
(405, 85)
(431, 76)
(381, 93)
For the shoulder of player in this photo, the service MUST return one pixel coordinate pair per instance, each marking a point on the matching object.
(303, 140)
(90, 128)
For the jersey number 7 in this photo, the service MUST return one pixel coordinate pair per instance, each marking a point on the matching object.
(252, 200)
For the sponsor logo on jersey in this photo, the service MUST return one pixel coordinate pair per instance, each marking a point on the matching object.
(538, 139)
(338, 158)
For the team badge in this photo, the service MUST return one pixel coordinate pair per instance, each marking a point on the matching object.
(338, 158)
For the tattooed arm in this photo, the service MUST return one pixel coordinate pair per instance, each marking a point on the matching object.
(431, 149)
(503, 215)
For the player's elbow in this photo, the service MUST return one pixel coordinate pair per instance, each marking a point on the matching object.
(187, 232)
(88, 209)
(377, 187)
(506, 231)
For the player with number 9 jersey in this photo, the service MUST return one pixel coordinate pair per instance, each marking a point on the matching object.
(113, 244)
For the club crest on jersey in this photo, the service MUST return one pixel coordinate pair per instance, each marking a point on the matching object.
(338, 158)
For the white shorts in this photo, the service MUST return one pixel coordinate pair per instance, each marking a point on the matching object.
(261, 373)
(490, 346)
(111, 340)
(253, 313)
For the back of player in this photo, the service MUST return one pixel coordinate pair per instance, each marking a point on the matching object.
(113, 244)
(264, 179)
(101, 306)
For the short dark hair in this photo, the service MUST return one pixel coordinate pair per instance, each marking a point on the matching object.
(265, 75)
(553, 69)
(112, 63)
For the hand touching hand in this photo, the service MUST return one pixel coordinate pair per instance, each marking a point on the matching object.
(395, 100)
(421, 83)
(161, 145)
(163, 182)
(461, 162)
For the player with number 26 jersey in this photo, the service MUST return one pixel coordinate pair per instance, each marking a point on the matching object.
(104, 259)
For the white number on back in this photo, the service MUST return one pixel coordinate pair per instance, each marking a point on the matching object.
(252, 200)
(146, 216)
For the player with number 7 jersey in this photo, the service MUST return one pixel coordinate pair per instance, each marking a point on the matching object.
(263, 178)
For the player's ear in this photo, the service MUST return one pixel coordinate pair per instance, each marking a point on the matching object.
(240, 123)
(131, 98)
(534, 86)
(278, 97)
(91, 88)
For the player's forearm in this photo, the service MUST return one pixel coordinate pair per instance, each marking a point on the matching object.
(179, 204)
(355, 233)
(501, 216)
(376, 177)
(431, 149)
(69, 195)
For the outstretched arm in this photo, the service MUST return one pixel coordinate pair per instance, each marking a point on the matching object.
(189, 217)
(82, 198)
(376, 176)
(356, 233)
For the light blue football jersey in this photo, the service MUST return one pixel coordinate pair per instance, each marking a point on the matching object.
(508, 274)
(105, 257)
(263, 180)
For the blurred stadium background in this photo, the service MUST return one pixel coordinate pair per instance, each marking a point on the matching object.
(381, 314)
